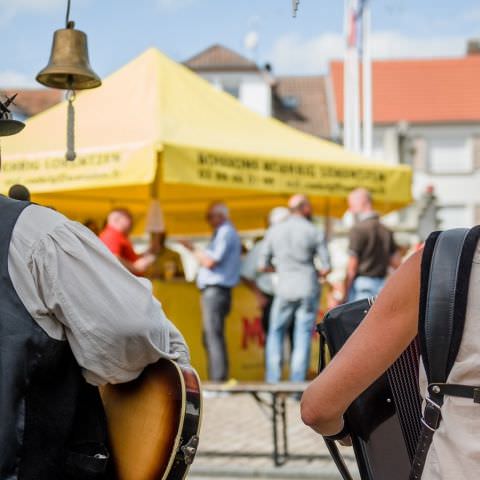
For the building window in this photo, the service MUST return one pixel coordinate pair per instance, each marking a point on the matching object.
(290, 102)
(456, 216)
(450, 155)
(233, 90)
(378, 148)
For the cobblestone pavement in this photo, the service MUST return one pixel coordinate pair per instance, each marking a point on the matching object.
(236, 423)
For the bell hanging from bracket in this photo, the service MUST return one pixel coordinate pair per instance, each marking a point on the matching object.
(8, 126)
(69, 69)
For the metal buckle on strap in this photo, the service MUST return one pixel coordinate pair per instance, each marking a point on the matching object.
(427, 425)
(476, 395)
(431, 415)
(433, 404)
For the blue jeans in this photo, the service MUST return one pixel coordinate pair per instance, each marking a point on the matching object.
(303, 314)
(365, 287)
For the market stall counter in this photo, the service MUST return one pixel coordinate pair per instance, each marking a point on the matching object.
(245, 339)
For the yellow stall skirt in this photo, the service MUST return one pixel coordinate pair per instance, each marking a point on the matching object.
(245, 339)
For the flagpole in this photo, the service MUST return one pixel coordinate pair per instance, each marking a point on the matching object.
(352, 134)
(356, 136)
(367, 81)
(347, 125)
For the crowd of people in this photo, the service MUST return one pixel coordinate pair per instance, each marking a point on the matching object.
(285, 270)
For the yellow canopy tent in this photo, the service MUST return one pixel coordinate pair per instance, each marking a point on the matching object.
(155, 129)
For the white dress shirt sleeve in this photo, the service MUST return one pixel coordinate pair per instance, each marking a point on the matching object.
(112, 322)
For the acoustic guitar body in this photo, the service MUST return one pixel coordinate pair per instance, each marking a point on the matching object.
(154, 423)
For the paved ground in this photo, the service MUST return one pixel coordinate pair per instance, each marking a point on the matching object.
(237, 423)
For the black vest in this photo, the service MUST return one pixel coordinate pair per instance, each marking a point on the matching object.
(52, 425)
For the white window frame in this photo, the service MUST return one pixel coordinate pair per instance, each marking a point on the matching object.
(467, 213)
(468, 145)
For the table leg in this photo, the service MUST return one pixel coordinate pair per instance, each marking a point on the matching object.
(276, 456)
(284, 428)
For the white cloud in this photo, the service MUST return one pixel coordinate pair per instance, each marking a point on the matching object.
(10, 78)
(295, 55)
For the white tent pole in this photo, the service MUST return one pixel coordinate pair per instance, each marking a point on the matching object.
(347, 126)
(367, 82)
(355, 101)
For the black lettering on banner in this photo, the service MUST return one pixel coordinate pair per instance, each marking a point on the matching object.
(237, 179)
(294, 175)
(221, 177)
(216, 160)
(202, 173)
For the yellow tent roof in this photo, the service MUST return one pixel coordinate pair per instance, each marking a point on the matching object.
(156, 128)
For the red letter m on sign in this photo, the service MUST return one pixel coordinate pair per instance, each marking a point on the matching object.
(252, 331)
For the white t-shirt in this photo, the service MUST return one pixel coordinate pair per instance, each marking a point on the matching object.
(455, 450)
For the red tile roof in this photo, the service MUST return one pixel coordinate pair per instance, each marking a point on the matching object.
(30, 102)
(420, 91)
(309, 111)
(220, 58)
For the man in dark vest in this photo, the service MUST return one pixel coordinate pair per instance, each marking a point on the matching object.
(71, 318)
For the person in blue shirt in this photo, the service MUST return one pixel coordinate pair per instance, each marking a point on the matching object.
(219, 272)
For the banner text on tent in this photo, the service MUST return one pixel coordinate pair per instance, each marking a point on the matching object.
(53, 170)
(184, 165)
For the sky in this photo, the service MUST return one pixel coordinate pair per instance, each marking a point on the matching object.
(119, 30)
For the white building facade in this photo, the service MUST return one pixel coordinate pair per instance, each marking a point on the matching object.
(236, 75)
(426, 114)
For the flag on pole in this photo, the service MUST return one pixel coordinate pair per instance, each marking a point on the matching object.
(295, 7)
(355, 15)
(352, 25)
(352, 127)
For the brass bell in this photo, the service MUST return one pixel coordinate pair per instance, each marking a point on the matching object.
(9, 126)
(69, 67)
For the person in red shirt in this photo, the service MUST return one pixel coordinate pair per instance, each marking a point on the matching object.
(115, 236)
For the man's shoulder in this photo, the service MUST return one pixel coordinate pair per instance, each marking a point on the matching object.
(36, 222)
(227, 228)
(364, 226)
(305, 226)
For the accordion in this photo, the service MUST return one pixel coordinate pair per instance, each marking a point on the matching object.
(384, 422)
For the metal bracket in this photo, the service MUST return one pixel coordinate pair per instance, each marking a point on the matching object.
(189, 450)
(476, 395)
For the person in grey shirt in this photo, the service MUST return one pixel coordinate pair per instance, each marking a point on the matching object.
(293, 246)
(262, 284)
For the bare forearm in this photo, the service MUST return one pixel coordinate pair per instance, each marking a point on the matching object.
(387, 330)
(204, 259)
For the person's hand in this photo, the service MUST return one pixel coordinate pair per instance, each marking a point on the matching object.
(144, 262)
(322, 274)
(268, 269)
(187, 244)
(261, 299)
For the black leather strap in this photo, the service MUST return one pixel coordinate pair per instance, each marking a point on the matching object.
(344, 432)
(436, 330)
(338, 459)
(455, 390)
(440, 307)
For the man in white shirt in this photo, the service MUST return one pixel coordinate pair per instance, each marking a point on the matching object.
(71, 316)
